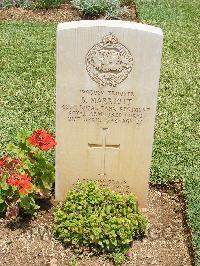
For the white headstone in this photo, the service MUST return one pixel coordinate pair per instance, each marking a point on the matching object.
(107, 82)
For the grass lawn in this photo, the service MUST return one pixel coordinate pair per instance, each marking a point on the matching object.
(27, 91)
(176, 144)
(27, 78)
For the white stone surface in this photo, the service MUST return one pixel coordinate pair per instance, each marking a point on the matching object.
(107, 83)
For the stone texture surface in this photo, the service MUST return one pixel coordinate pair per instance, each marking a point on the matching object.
(107, 83)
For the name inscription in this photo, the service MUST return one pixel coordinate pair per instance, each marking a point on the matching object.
(105, 106)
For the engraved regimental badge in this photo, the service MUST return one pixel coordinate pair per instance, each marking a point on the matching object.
(109, 62)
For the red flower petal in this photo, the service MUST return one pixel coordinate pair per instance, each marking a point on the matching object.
(42, 139)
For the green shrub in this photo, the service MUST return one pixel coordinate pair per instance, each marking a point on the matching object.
(47, 4)
(16, 3)
(96, 8)
(42, 4)
(99, 219)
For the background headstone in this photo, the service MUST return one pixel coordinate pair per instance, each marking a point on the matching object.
(107, 82)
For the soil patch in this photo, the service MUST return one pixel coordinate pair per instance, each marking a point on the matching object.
(168, 240)
(65, 13)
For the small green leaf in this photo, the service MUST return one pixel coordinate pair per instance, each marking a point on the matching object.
(5, 186)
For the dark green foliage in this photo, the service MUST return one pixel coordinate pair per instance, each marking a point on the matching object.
(41, 4)
(46, 4)
(96, 8)
(98, 218)
(16, 3)
(91, 8)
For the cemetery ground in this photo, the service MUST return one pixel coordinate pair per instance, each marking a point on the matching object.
(168, 240)
(28, 101)
(64, 13)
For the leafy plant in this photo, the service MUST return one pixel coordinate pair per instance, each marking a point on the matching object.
(46, 4)
(26, 174)
(16, 3)
(96, 8)
(99, 219)
(41, 4)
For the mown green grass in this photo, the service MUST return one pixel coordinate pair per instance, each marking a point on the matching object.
(27, 91)
(176, 147)
(27, 78)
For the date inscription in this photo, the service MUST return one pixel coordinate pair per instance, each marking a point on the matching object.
(105, 106)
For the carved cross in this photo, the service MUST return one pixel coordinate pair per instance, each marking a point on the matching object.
(103, 146)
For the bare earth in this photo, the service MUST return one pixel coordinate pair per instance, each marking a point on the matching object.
(62, 14)
(168, 241)
(65, 13)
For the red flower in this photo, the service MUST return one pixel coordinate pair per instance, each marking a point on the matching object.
(42, 140)
(13, 182)
(24, 190)
(22, 181)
